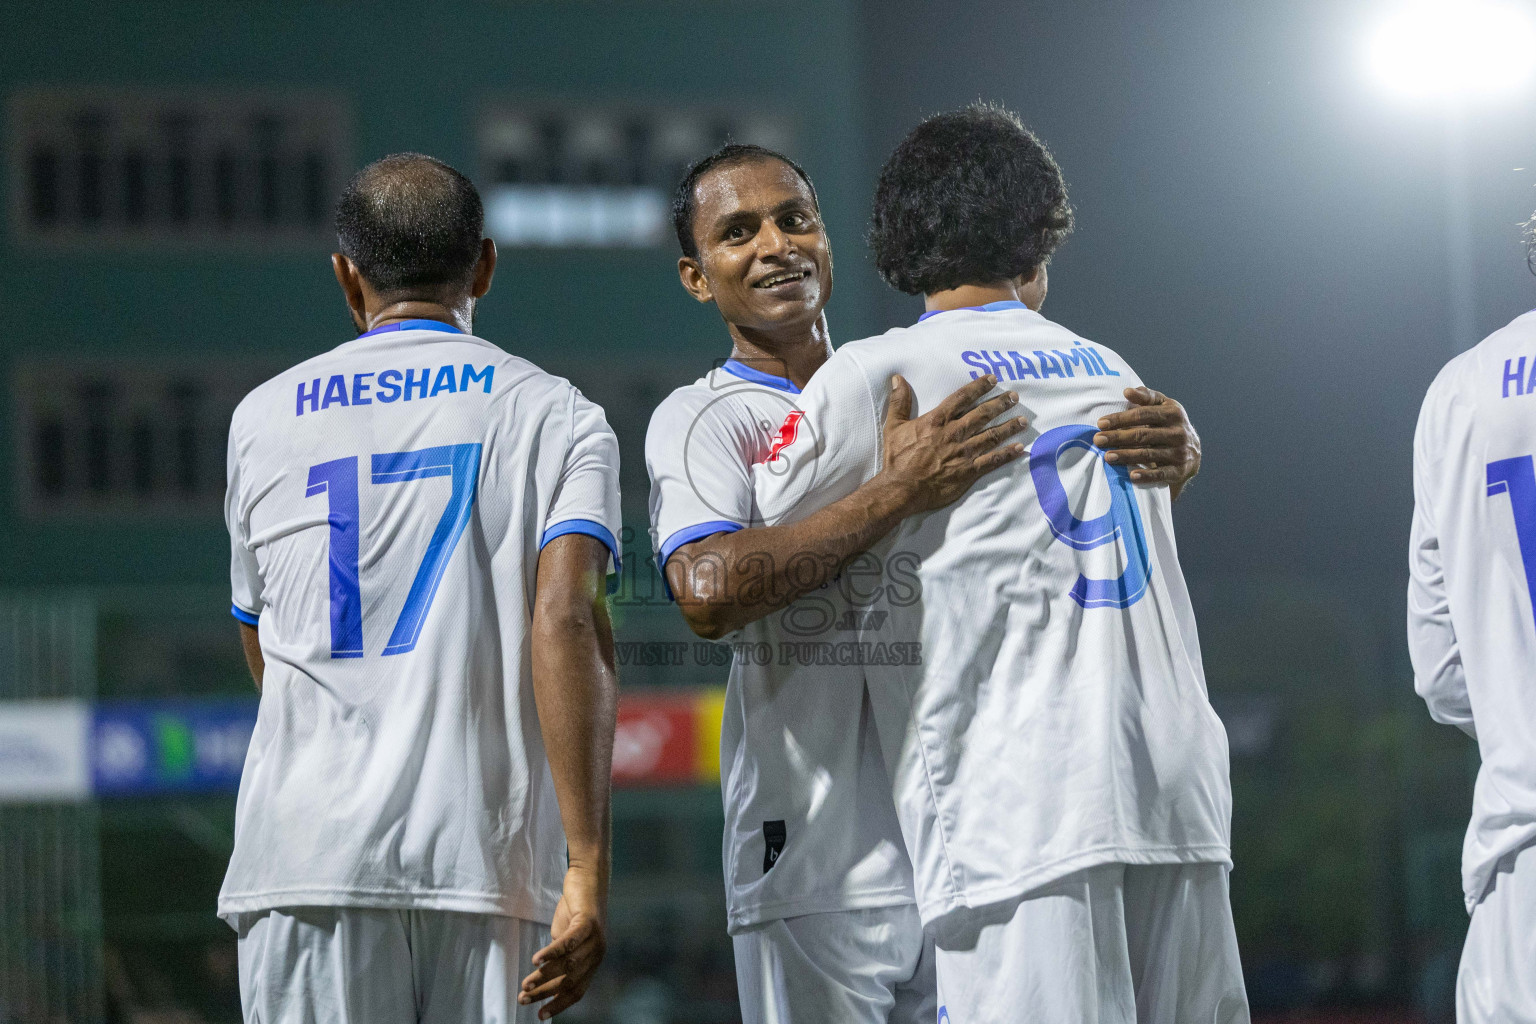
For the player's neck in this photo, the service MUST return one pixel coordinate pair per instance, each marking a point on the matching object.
(968, 296)
(460, 314)
(796, 354)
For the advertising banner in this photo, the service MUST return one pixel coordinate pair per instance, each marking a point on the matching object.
(170, 746)
(656, 741)
(73, 750)
(43, 751)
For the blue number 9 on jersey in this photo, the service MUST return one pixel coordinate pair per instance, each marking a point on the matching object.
(338, 480)
(1122, 522)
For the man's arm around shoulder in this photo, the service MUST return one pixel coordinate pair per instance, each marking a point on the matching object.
(727, 580)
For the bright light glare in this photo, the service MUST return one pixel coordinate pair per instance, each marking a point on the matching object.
(1455, 48)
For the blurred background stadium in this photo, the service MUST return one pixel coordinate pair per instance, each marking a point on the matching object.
(1287, 249)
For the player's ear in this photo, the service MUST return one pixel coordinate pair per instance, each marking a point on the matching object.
(485, 269)
(827, 293)
(1032, 287)
(351, 286)
(691, 273)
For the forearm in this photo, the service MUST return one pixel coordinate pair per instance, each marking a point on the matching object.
(250, 642)
(1438, 674)
(577, 698)
(728, 580)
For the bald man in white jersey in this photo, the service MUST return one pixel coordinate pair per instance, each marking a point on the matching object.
(420, 527)
(1472, 636)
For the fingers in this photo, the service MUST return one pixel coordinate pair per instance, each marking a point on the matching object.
(997, 459)
(978, 418)
(581, 958)
(1157, 475)
(1144, 395)
(541, 984)
(1176, 457)
(571, 959)
(963, 398)
(563, 968)
(567, 941)
(563, 980)
(994, 436)
(1164, 414)
(899, 408)
(543, 990)
(561, 1004)
(1140, 437)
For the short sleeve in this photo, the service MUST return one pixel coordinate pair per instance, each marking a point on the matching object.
(586, 497)
(698, 453)
(244, 573)
(826, 448)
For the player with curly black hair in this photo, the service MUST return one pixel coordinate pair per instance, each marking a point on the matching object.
(1060, 776)
(969, 197)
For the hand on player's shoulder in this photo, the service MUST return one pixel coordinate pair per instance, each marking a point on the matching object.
(936, 457)
(1154, 437)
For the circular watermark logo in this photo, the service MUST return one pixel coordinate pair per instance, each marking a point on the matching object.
(772, 422)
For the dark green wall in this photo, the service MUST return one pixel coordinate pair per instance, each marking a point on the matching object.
(416, 76)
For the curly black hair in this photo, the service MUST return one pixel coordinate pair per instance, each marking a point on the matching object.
(685, 201)
(411, 223)
(969, 197)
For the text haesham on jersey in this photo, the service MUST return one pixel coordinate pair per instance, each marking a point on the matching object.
(387, 386)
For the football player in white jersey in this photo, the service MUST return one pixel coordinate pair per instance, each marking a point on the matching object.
(1472, 636)
(421, 527)
(818, 883)
(1059, 774)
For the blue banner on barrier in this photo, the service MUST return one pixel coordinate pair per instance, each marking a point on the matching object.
(170, 746)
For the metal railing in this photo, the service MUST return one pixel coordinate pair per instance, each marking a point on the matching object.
(50, 854)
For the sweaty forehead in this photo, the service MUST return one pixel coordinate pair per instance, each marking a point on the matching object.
(756, 186)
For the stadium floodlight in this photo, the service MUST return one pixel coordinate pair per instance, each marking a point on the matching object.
(1454, 50)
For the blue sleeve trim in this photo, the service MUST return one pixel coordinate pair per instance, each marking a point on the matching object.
(249, 618)
(591, 529)
(687, 535)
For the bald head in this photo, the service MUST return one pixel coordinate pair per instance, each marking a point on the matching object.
(412, 226)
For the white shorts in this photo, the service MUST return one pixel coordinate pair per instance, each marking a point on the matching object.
(351, 965)
(1497, 981)
(850, 966)
(1114, 944)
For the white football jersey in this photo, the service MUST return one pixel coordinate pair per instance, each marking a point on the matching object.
(1472, 581)
(809, 825)
(387, 503)
(1056, 715)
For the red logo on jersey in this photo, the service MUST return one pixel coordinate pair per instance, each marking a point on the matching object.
(787, 432)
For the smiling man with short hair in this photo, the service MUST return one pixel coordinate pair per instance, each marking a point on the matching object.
(819, 885)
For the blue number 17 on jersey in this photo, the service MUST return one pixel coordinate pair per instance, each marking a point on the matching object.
(1517, 478)
(337, 479)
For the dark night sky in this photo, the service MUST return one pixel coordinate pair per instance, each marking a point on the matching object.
(1261, 231)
